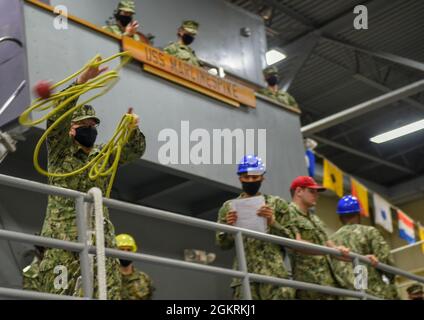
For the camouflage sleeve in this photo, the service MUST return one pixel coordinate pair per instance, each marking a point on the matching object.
(141, 288)
(281, 208)
(60, 134)
(170, 49)
(135, 147)
(380, 247)
(224, 240)
(288, 222)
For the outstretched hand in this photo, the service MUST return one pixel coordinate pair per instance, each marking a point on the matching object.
(136, 118)
(131, 29)
(91, 73)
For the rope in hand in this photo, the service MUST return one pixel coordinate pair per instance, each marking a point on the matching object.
(59, 101)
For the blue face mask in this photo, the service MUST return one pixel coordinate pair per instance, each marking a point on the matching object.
(86, 136)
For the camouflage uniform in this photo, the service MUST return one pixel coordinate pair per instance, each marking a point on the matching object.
(279, 95)
(416, 290)
(124, 5)
(182, 51)
(60, 222)
(316, 269)
(365, 240)
(136, 286)
(31, 275)
(261, 257)
(116, 29)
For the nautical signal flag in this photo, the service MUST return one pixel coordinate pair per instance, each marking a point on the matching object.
(310, 162)
(382, 213)
(333, 178)
(406, 227)
(361, 193)
(421, 233)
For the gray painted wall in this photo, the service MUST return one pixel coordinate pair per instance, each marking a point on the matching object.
(219, 41)
(161, 105)
(13, 61)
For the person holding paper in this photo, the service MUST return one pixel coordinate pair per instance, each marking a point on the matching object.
(305, 226)
(366, 241)
(257, 212)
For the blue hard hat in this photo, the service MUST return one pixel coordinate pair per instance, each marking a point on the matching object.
(251, 164)
(348, 204)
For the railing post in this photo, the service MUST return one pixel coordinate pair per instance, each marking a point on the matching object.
(287, 263)
(241, 258)
(84, 257)
(355, 264)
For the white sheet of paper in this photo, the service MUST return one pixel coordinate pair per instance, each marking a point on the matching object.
(247, 213)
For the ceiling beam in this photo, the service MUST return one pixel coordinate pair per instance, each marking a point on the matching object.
(384, 88)
(408, 191)
(340, 23)
(291, 13)
(363, 108)
(363, 155)
(309, 46)
(390, 157)
(379, 54)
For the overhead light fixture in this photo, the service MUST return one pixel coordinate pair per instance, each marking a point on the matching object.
(273, 56)
(267, 14)
(399, 132)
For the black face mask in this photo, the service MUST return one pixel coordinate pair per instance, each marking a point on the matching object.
(124, 20)
(251, 188)
(272, 80)
(86, 136)
(125, 263)
(187, 38)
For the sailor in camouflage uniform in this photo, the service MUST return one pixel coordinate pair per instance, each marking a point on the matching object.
(366, 241)
(262, 257)
(415, 292)
(70, 146)
(181, 48)
(272, 91)
(136, 285)
(124, 24)
(303, 225)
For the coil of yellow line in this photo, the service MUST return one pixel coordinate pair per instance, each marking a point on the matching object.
(111, 151)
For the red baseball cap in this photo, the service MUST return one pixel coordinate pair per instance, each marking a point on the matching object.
(306, 182)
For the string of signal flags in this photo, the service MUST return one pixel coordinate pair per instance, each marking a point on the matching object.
(383, 210)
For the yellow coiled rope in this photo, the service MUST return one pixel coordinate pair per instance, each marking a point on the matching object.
(98, 165)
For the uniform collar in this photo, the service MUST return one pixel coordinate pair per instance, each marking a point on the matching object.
(295, 206)
(76, 148)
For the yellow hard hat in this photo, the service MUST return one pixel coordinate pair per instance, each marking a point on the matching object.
(125, 240)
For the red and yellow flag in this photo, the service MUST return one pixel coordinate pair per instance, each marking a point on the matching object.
(361, 193)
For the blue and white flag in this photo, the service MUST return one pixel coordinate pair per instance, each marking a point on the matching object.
(382, 213)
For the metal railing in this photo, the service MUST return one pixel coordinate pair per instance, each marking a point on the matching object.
(84, 249)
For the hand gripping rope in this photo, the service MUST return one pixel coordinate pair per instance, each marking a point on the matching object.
(58, 101)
